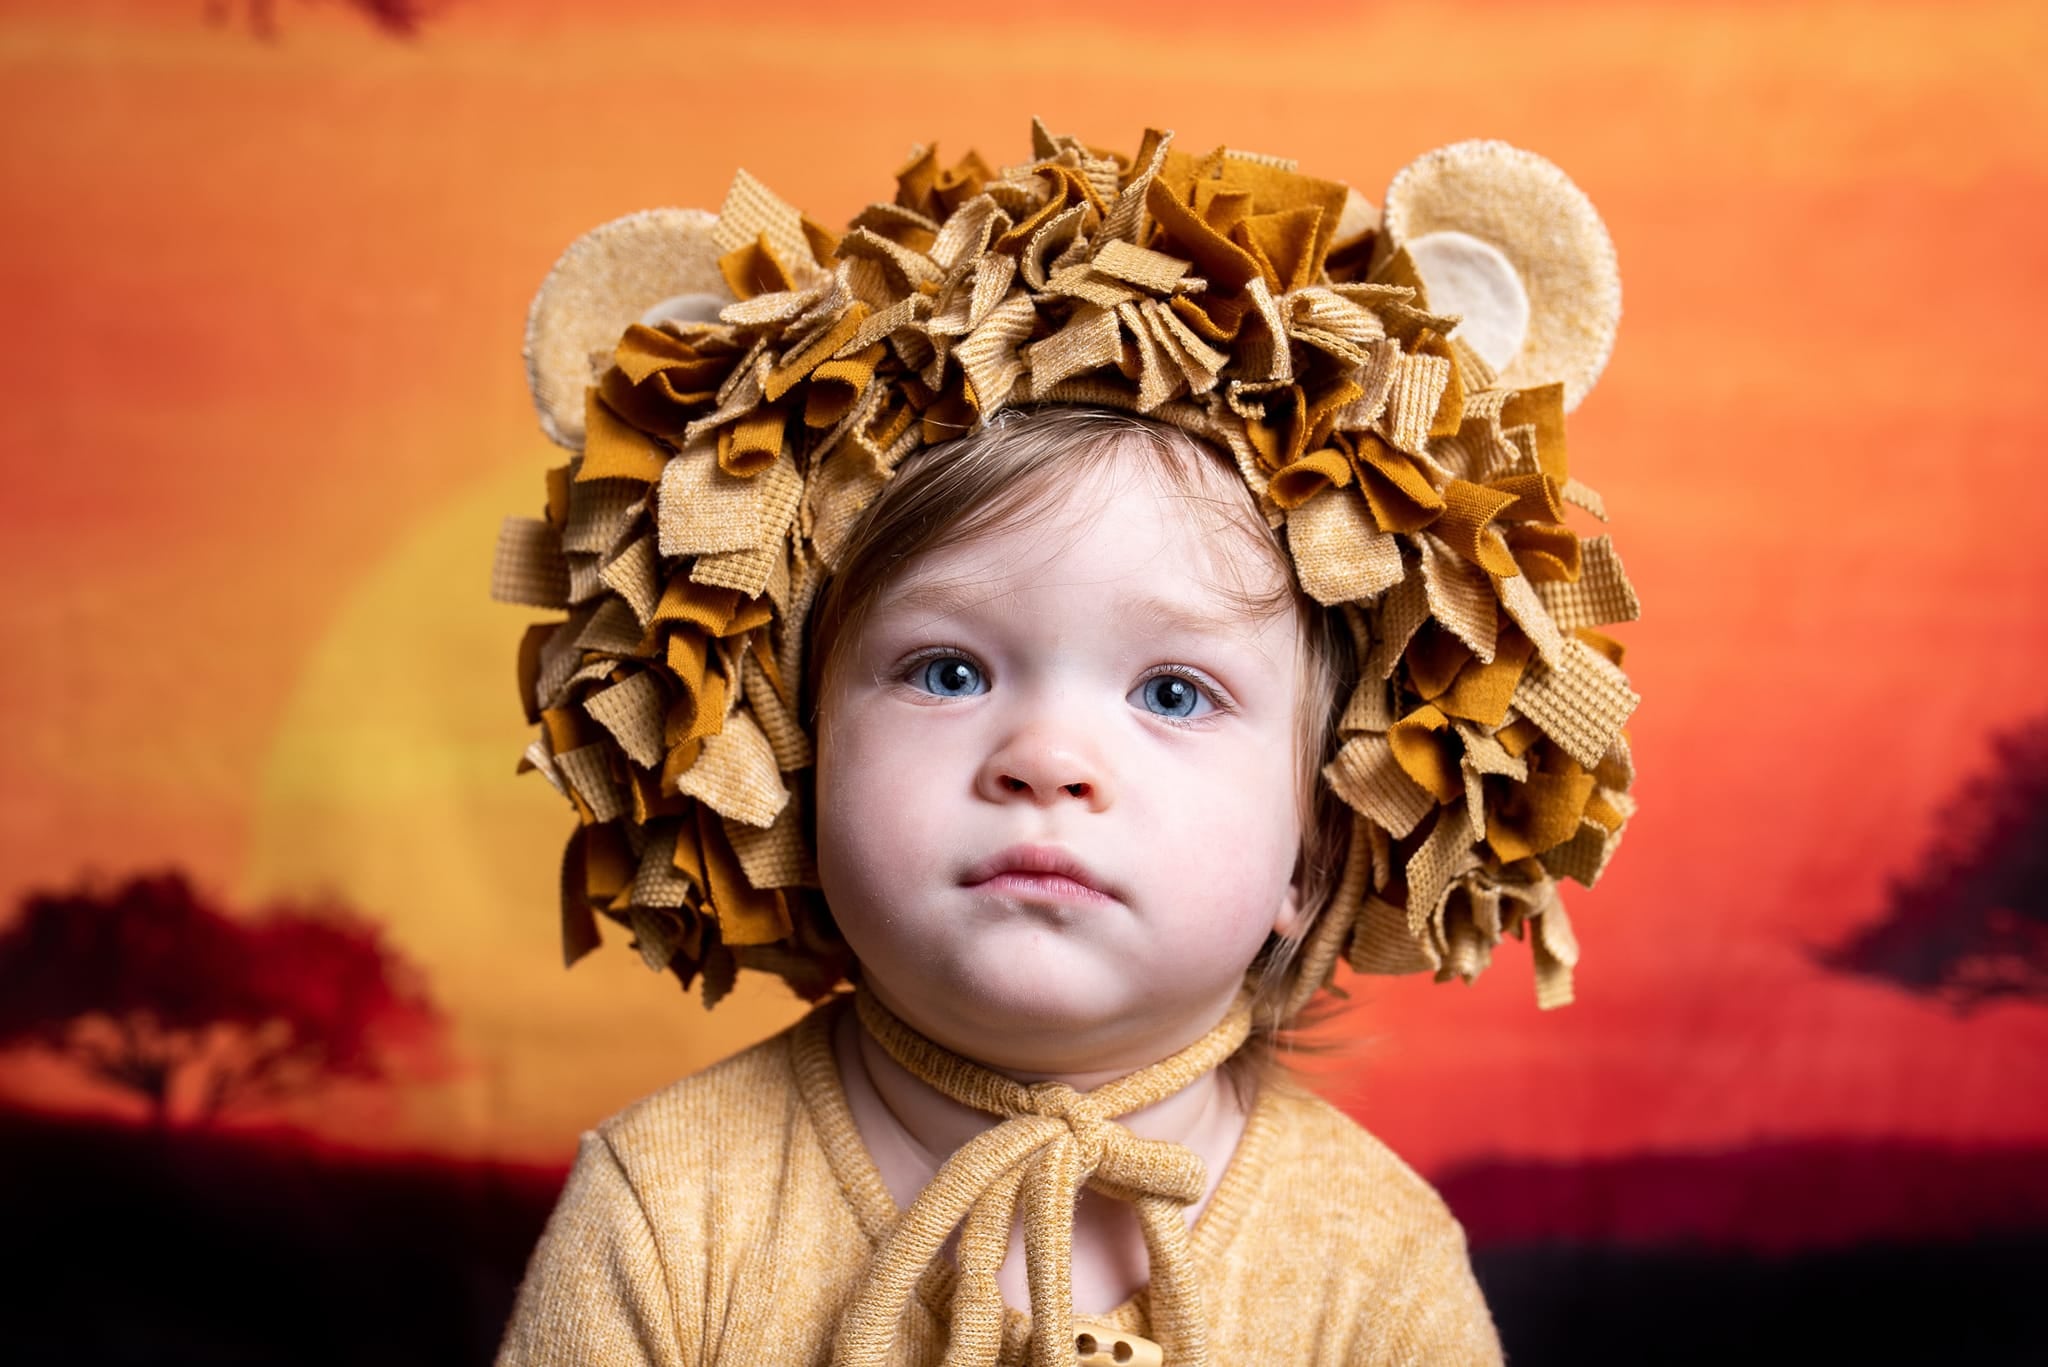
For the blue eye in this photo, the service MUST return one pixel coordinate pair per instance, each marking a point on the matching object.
(949, 676)
(1174, 696)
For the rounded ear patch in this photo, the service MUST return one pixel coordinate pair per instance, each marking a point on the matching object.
(1468, 211)
(1475, 281)
(685, 308)
(623, 272)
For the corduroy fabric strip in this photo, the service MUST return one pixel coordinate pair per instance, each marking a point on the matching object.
(1581, 706)
(1340, 556)
(735, 775)
(528, 569)
(588, 772)
(1601, 595)
(657, 883)
(598, 513)
(631, 710)
(635, 575)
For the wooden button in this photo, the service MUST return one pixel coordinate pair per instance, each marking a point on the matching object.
(1098, 1344)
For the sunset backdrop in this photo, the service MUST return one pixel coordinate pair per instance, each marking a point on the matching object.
(264, 408)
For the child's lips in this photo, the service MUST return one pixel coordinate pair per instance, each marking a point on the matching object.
(1038, 872)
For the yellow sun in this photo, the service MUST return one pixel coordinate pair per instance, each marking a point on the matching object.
(390, 786)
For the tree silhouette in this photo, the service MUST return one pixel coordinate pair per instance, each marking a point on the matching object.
(396, 18)
(154, 989)
(1970, 925)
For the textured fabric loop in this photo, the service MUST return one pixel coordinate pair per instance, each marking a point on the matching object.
(1052, 1140)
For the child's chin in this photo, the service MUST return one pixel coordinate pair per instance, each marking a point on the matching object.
(1050, 1018)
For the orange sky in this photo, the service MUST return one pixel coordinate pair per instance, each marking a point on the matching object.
(264, 406)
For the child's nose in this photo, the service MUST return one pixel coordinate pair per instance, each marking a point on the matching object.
(1036, 766)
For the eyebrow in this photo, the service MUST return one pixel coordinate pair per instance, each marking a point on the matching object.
(949, 598)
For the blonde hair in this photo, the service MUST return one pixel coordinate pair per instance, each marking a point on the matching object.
(1001, 476)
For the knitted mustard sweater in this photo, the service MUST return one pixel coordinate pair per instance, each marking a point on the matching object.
(728, 1218)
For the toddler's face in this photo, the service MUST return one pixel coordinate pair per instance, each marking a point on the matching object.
(1058, 775)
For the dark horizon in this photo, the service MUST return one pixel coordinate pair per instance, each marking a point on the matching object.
(248, 1236)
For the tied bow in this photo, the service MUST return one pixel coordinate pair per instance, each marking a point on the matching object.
(1052, 1140)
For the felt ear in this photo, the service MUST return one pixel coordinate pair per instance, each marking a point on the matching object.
(654, 266)
(1503, 238)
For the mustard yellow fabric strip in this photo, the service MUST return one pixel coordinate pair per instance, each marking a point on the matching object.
(1287, 238)
(1484, 691)
(1400, 495)
(558, 496)
(697, 712)
(1450, 405)
(1182, 233)
(615, 449)
(1537, 497)
(1542, 408)
(608, 864)
(689, 369)
(786, 376)
(1466, 526)
(1428, 751)
(710, 609)
(1546, 553)
(1434, 657)
(1539, 814)
(649, 802)
(755, 269)
(1518, 735)
(753, 443)
(746, 915)
(1297, 483)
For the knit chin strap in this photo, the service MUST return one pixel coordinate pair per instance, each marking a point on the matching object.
(1051, 1141)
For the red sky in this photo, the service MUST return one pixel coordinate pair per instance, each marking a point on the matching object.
(264, 406)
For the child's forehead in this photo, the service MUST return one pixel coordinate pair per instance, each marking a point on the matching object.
(1176, 532)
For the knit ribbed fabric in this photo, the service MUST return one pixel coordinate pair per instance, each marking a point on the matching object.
(1031, 1167)
(732, 1217)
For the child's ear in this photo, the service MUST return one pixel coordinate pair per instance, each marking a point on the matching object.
(1503, 239)
(1288, 919)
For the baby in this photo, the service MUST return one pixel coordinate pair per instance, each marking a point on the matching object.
(1104, 770)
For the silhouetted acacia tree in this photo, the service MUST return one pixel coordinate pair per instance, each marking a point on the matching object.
(398, 18)
(152, 988)
(1970, 925)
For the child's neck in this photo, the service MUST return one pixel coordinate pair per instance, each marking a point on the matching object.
(910, 1129)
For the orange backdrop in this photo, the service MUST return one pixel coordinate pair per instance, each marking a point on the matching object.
(263, 409)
